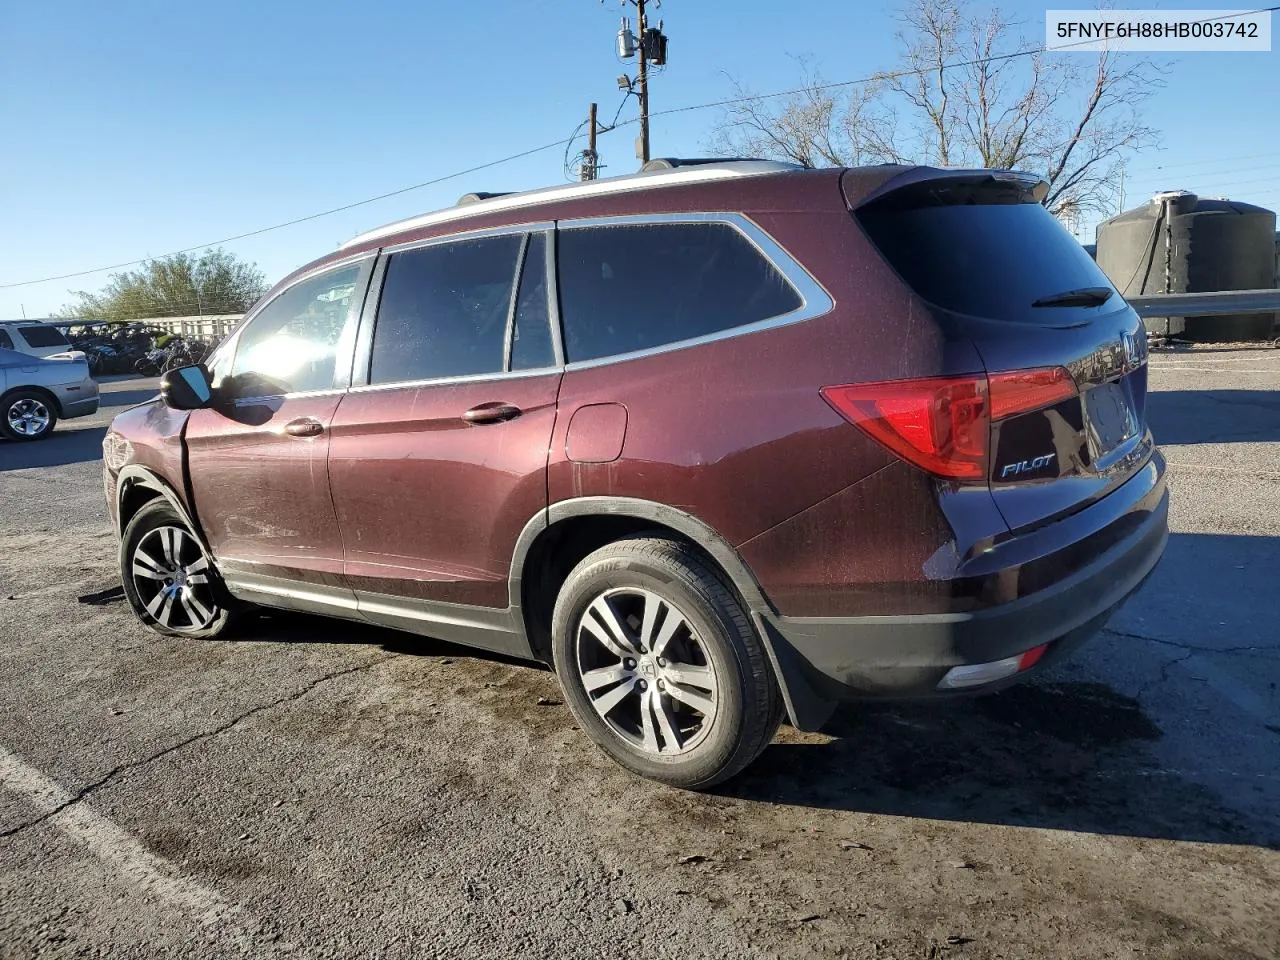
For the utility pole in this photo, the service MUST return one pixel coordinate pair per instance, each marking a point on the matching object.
(591, 159)
(651, 45)
(643, 80)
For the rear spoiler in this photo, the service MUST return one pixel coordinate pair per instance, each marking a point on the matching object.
(861, 188)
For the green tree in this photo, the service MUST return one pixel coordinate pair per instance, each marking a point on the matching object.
(179, 285)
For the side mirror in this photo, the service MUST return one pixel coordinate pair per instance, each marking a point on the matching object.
(187, 388)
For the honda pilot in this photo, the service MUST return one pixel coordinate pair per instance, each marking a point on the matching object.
(722, 444)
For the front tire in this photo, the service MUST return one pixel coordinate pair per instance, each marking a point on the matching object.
(168, 578)
(27, 415)
(661, 665)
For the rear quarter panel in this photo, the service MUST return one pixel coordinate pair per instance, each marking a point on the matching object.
(734, 431)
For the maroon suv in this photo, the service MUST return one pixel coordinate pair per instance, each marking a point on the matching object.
(723, 443)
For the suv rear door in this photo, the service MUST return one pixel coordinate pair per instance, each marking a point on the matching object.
(1002, 273)
(439, 450)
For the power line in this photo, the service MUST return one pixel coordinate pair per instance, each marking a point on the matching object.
(671, 111)
(1197, 163)
(289, 223)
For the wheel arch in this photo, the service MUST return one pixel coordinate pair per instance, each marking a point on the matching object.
(50, 397)
(136, 486)
(584, 524)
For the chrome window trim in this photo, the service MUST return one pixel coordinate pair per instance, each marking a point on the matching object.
(552, 252)
(447, 381)
(814, 299)
(466, 235)
(628, 183)
(301, 278)
(300, 395)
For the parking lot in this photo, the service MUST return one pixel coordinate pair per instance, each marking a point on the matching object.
(314, 788)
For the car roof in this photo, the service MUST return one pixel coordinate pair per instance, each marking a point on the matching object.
(643, 181)
(729, 186)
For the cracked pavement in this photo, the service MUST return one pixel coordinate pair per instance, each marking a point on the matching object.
(322, 789)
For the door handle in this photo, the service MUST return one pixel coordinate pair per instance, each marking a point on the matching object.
(494, 412)
(304, 427)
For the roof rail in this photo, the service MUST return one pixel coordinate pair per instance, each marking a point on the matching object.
(478, 196)
(473, 205)
(671, 163)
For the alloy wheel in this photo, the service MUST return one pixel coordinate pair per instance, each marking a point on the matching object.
(28, 417)
(646, 672)
(171, 575)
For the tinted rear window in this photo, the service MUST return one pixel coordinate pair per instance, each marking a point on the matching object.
(42, 336)
(983, 252)
(627, 288)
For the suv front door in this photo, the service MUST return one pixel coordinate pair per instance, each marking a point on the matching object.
(439, 459)
(257, 457)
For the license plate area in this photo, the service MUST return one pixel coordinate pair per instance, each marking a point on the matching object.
(1110, 418)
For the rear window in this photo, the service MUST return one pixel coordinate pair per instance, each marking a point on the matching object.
(42, 336)
(985, 251)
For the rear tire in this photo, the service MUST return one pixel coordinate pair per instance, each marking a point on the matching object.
(27, 415)
(169, 580)
(661, 665)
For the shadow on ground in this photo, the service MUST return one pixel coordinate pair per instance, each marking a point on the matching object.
(111, 399)
(1047, 754)
(67, 444)
(1054, 755)
(1061, 756)
(1214, 416)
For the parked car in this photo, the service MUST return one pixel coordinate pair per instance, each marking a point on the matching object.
(721, 444)
(35, 393)
(35, 337)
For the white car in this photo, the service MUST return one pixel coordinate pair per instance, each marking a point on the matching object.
(34, 337)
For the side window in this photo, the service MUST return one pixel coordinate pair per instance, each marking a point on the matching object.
(531, 346)
(293, 344)
(43, 336)
(6, 342)
(631, 288)
(443, 310)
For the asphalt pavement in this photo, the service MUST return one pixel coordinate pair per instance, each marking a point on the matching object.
(313, 788)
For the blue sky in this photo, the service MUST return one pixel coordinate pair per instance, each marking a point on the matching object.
(134, 128)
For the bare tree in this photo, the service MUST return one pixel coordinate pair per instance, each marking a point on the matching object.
(969, 91)
(815, 125)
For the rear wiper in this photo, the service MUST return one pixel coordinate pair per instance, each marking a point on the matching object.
(1084, 297)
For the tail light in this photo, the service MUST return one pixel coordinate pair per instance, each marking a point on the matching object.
(943, 424)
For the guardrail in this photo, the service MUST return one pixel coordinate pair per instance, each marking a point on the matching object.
(1221, 304)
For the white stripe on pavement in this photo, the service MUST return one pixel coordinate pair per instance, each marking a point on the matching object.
(132, 861)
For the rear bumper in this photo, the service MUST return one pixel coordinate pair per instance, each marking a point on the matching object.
(842, 658)
(80, 408)
(78, 399)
